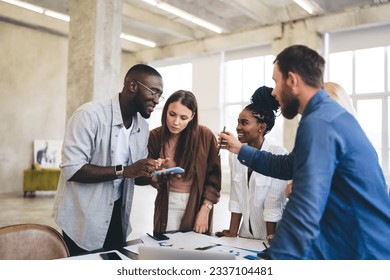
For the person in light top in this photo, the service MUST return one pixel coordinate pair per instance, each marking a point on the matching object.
(256, 201)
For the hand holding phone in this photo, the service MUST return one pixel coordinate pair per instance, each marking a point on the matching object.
(168, 171)
(220, 143)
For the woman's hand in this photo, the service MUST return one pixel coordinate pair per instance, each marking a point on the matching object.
(165, 164)
(202, 220)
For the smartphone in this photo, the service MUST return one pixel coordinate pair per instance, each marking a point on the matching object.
(110, 256)
(263, 255)
(174, 170)
(158, 236)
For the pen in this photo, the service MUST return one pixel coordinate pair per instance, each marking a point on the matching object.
(265, 245)
(207, 247)
(220, 144)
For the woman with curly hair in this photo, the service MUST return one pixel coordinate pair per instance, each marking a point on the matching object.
(256, 201)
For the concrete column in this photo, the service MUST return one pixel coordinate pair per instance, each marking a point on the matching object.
(295, 33)
(94, 51)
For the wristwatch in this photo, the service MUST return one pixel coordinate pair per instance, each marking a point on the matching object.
(119, 171)
(208, 205)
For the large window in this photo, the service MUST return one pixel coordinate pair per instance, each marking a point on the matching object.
(241, 78)
(364, 73)
(175, 77)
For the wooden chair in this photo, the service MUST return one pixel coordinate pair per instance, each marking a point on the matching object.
(31, 242)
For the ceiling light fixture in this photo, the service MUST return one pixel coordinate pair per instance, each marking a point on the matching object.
(64, 17)
(138, 40)
(184, 15)
(308, 6)
(25, 5)
(38, 9)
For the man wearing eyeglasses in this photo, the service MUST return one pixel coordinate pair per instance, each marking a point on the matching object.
(104, 150)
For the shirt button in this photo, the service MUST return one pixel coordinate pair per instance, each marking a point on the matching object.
(107, 222)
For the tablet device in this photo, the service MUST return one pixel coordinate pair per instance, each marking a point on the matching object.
(173, 170)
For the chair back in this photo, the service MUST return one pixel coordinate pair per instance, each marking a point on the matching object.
(31, 242)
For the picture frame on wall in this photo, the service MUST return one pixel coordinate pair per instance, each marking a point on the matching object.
(47, 153)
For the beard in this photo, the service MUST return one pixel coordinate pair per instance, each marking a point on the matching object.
(291, 104)
(142, 109)
(291, 109)
(145, 114)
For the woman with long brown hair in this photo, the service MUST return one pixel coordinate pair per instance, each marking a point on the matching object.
(185, 202)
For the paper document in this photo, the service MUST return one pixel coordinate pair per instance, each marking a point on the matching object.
(240, 242)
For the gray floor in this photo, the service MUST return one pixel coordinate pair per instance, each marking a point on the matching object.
(15, 209)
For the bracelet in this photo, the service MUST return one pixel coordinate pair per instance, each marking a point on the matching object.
(270, 237)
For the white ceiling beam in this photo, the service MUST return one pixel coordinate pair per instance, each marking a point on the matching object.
(255, 10)
(326, 23)
(260, 36)
(129, 46)
(157, 22)
(372, 15)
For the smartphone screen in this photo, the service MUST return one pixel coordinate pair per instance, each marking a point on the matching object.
(172, 170)
(158, 236)
(110, 256)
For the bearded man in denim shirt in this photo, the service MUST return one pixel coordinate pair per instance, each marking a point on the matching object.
(340, 206)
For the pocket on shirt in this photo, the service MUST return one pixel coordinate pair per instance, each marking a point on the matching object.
(262, 185)
(238, 178)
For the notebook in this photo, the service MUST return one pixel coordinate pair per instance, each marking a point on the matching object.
(165, 253)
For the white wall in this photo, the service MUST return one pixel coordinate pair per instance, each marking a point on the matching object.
(32, 89)
(367, 37)
(33, 86)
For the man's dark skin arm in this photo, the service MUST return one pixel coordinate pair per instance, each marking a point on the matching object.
(90, 173)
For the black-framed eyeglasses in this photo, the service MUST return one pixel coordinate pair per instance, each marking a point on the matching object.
(154, 93)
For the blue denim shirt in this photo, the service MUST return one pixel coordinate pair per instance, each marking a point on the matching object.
(84, 211)
(339, 207)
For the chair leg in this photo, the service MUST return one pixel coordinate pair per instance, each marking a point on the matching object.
(29, 194)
